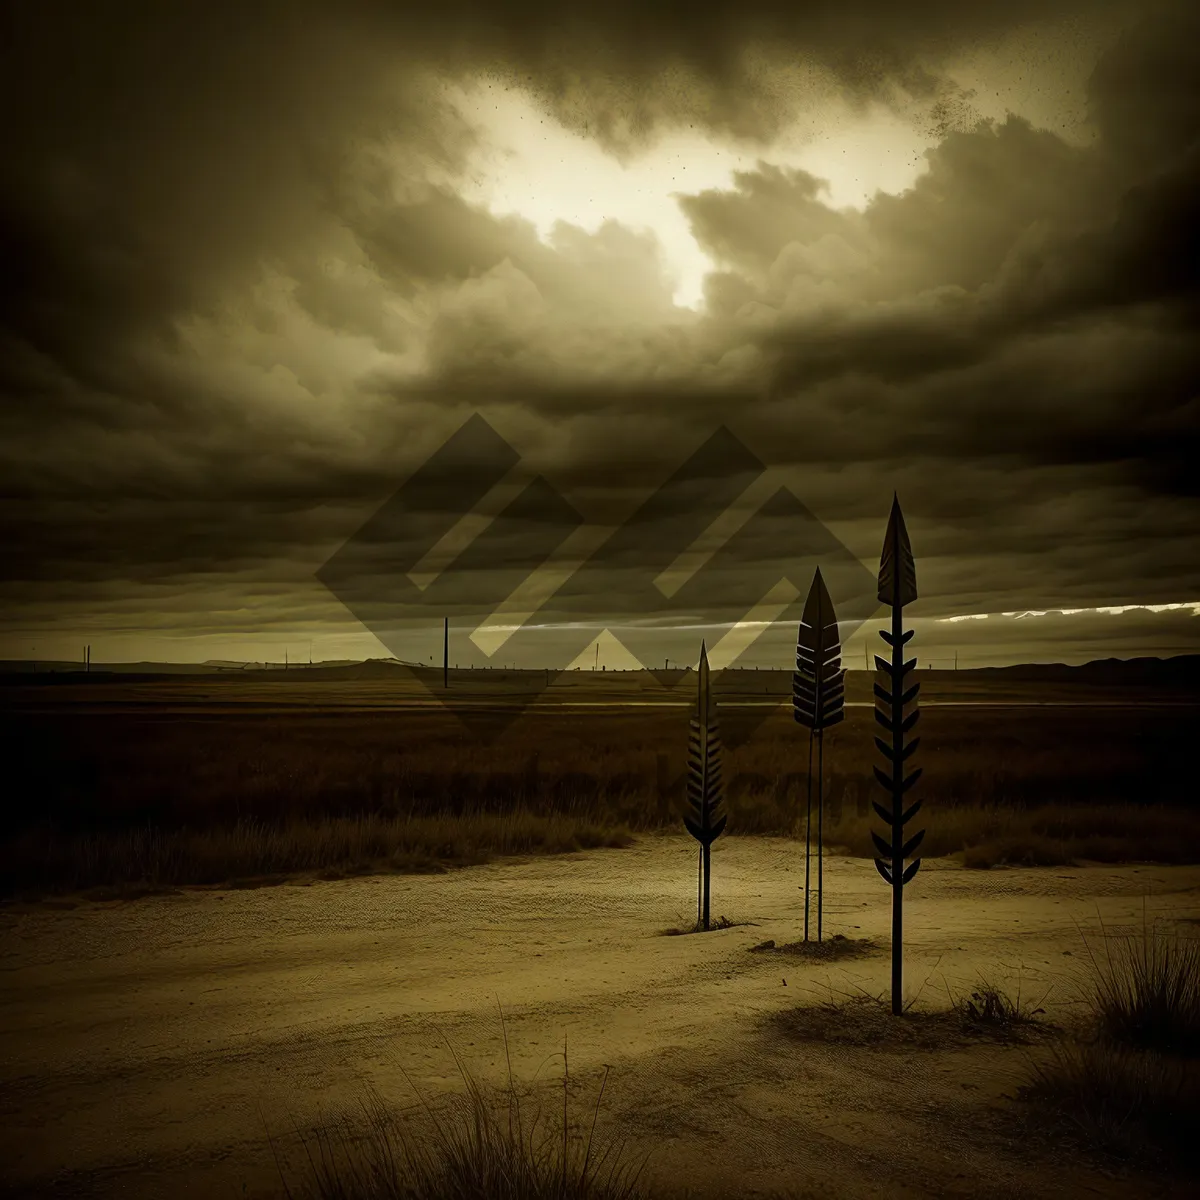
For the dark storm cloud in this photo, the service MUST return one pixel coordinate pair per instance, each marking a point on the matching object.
(770, 208)
(186, 378)
(620, 69)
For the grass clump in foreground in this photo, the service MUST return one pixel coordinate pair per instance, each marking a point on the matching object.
(697, 926)
(42, 862)
(472, 1155)
(830, 949)
(1147, 994)
(1128, 1081)
(863, 1018)
(988, 1006)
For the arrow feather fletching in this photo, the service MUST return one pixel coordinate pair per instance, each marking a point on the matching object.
(704, 790)
(818, 685)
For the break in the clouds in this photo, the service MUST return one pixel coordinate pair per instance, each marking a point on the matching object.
(261, 261)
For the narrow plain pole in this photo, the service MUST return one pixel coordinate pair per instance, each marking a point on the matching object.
(820, 829)
(807, 827)
(445, 652)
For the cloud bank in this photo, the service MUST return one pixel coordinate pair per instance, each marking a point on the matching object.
(244, 294)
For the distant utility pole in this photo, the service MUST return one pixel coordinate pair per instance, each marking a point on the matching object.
(597, 667)
(445, 652)
(956, 660)
(285, 658)
(87, 661)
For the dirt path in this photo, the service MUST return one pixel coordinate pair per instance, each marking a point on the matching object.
(140, 1039)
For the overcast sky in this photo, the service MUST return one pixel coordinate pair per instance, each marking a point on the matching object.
(260, 261)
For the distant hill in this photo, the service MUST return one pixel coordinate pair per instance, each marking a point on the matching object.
(1182, 668)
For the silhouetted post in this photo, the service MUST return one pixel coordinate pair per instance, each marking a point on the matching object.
(704, 780)
(445, 652)
(87, 661)
(897, 587)
(818, 702)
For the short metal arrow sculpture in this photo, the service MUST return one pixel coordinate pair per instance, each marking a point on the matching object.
(896, 711)
(818, 701)
(704, 791)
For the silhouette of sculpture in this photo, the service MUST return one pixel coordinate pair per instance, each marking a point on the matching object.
(896, 711)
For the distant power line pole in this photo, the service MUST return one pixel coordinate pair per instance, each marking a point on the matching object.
(445, 652)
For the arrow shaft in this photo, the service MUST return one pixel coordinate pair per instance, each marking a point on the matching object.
(897, 793)
(820, 830)
(807, 829)
(706, 882)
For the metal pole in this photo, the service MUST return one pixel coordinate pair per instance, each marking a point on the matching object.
(897, 792)
(807, 827)
(445, 652)
(820, 829)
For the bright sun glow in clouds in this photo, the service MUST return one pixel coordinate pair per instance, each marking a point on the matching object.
(535, 168)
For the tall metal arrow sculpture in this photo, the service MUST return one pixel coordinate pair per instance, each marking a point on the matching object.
(818, 701)
(705, 822)
(896, 711)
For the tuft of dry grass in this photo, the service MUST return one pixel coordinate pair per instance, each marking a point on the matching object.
(1128, 1081)
(866, 1020)
(1146, 991)
(831, 949)
(698, 926)
(989, 1006)
(1131, 1103)
(40, 862)
(473, 1153)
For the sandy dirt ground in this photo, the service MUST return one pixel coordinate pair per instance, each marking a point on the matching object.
(145, 1042)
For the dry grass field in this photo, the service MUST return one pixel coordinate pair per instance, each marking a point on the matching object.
(222, 779)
